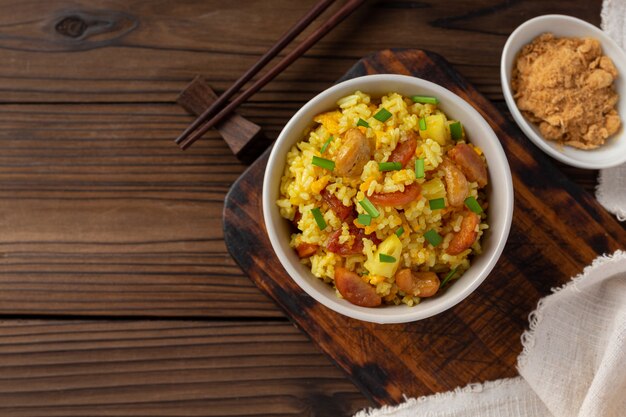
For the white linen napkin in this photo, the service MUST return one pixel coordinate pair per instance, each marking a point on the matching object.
(611, 191)
(573, 362)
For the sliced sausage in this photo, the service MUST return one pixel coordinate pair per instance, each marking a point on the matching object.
(466, 236)
(398, 198)
(343, 212)
(419, 284)
(355, 290)
(470, 163)
(405, 150)
(457, 186)
(306, 249)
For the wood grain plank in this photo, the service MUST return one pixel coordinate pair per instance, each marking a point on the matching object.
(109, 51)
(167, 368)
(101, 214)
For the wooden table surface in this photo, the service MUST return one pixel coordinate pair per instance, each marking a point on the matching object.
(117, 294)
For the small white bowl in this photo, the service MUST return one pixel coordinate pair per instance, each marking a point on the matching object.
(613, 152)
(500, 192)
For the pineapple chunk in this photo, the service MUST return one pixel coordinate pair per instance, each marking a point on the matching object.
(433, 189)
(436, 129)
(391, 246)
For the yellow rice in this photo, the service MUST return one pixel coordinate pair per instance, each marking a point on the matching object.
(302, 183)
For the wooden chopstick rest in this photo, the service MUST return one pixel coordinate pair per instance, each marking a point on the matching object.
(244, 138)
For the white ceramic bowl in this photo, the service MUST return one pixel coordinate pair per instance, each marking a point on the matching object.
(613, 152)
(500, 193)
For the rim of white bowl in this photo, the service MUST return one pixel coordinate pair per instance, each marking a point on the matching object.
(420, 311)
(521, 121)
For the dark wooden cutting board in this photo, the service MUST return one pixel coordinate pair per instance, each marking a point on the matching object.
(558, 228)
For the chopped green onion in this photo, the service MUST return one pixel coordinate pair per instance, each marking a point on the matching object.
(419, 168)
(325, 145)
(433, 237)
(422, 123)
(447, 278)
(389, 166)
(437, 203)
(323, 163)
(456, 131)
(364, 219)
(472, 204)
(425, 99)
(369, 207)
(319, 219)
(386, 258)
(363, 123)
(383, 115)
(399, 231)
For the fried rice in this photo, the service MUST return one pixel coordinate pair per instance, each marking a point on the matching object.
(352, 236)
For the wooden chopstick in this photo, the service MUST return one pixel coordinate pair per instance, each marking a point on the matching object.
(289, 36)
(304, 46)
